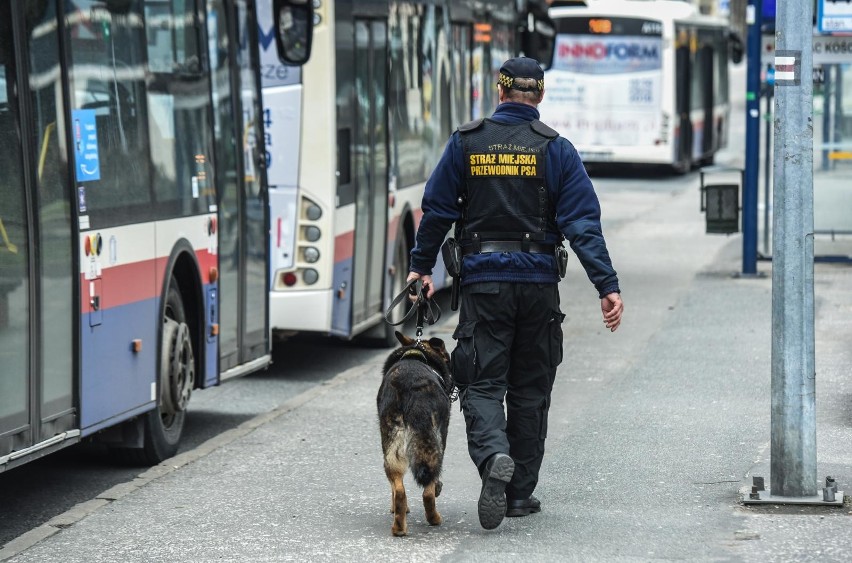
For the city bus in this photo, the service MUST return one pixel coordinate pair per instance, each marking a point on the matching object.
(387, 83)
(132, 174)
(640, 82)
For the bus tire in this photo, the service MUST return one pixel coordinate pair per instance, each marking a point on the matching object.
(162, 427)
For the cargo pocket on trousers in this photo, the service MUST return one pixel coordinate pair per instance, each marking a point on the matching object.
(464, 356)
(555, 323)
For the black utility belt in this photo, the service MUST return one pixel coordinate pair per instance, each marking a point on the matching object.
(508, 246)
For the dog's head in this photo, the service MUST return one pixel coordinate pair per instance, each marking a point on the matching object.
(434, 352)
(435, 345)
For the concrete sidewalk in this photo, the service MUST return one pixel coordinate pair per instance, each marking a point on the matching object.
(653, 434)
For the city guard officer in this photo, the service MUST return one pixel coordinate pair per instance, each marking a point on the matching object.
(515, 187)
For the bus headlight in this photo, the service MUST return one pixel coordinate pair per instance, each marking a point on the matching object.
(311, 254)
(312, 233)
(313, 212)
(310, 276)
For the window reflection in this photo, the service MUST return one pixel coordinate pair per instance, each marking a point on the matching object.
(14, 298)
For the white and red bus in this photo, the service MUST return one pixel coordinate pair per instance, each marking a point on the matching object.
(133, 256)
(387, 83)
(640, 82)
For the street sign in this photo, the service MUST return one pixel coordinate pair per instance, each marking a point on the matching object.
(834, 16)
(833, 49)
(826, 49)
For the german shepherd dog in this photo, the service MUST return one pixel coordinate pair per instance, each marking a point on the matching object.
(414, 414)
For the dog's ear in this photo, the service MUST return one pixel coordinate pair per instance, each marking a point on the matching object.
(404, 340)
(437, 344)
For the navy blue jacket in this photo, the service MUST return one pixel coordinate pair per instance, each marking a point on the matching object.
(578, 216)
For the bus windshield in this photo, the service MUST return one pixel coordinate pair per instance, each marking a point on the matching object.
(605, 83)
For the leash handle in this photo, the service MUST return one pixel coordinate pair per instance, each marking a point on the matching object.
(403, 296)
(424, 307)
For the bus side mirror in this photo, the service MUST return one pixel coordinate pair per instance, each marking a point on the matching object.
(737, 48)
(294, 30)
(538, 37)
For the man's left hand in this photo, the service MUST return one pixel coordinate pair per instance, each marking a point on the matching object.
(612, 307)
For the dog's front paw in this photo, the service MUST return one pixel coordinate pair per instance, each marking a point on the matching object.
(438, 487)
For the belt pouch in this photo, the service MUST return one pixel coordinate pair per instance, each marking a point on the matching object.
(561, 260)
(451, 253)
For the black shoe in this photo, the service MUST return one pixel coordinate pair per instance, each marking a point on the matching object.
(523, 507)
(492, 499)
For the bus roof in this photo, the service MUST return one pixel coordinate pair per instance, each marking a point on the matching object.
(662, 10)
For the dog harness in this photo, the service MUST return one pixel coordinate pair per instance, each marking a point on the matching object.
(419, 355)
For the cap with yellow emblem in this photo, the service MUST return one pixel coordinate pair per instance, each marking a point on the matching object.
(521, 67)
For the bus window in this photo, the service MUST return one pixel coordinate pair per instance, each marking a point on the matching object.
(405, 99)
(178, 106)
(108, 111)
(14, 299)
(461, 70)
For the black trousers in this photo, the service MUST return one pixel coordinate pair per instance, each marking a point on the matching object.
(509, 342)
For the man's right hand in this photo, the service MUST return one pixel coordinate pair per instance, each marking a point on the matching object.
(427, 282)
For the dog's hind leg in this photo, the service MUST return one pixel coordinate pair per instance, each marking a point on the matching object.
(396, 464)
(429, 494)
(400, 507)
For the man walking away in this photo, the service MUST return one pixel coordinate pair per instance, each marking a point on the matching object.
(515, 188)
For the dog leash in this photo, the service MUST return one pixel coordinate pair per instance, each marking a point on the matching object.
(426, 309)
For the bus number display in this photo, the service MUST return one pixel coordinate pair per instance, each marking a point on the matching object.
(652, 28)
(600, 26)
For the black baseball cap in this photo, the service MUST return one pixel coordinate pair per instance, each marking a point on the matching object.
(521, 67)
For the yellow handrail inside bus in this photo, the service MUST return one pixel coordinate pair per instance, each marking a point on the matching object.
(43, 156)
(12, 248)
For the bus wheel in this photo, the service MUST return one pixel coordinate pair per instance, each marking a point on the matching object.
(162, 427)
(382, 335)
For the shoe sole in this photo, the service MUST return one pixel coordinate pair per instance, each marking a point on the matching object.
(492, 499)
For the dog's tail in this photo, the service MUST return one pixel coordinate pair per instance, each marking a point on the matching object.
(424, 473)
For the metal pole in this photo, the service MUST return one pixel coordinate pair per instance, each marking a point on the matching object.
(752, 144)
(793, 437)
(767, 170)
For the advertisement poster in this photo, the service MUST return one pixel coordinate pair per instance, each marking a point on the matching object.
(605, 91)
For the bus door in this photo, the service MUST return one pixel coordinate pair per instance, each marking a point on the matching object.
(683, 99)
(371, 168)
(36, 288)
(705, 63)
(242, 206)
